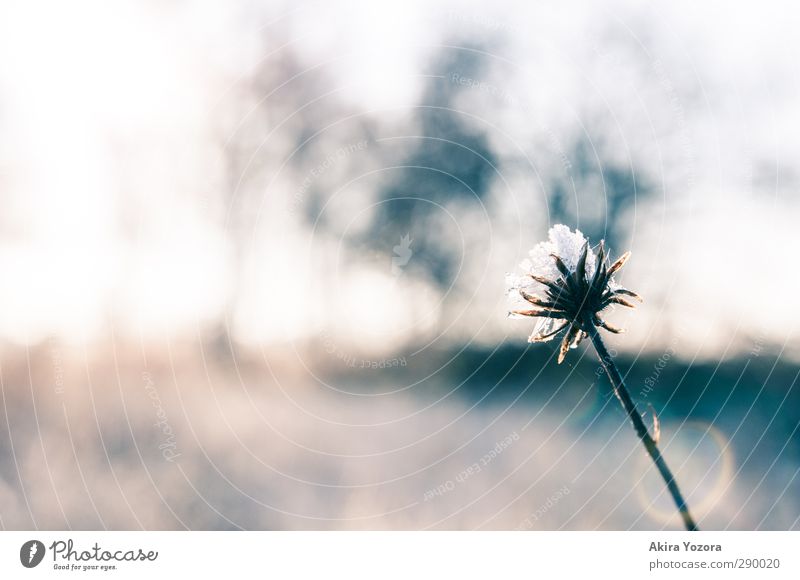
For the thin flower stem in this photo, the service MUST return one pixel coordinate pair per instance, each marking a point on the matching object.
(638, 424)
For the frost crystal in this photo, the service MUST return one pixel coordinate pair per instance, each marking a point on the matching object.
(565, 286)
(562, 242)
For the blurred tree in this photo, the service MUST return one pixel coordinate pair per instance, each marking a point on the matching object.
(450, 161)
(596, 194)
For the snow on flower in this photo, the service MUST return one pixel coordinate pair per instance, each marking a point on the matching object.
(565, 285)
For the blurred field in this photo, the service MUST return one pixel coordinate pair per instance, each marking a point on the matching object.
(202, 440)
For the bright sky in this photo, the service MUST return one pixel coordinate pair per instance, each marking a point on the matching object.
(108, 159)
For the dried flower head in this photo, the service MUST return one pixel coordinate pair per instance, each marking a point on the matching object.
(566, 285)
